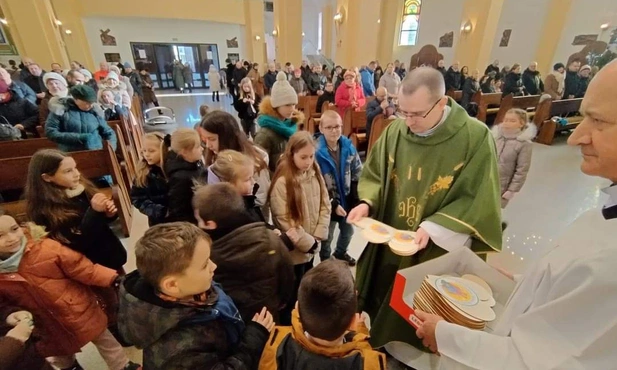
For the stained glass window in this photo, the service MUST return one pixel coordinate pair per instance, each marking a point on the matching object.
(410, 22)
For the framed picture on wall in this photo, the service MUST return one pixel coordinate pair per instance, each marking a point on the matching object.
(112, 57)
(234, 57)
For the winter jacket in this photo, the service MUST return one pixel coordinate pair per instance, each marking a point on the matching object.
(512, 85)
(514, 158)
(571, 84)
(325, 97)
(368, 81)
(147, 89)
(299, 85)
(257, 81)
(533, 82)
(470, 87)
(315, 82)
(136, 82)
(20, 111)
(491, 68)
(551, 86)
(238, 75)
(230, 73)
(373, 110)
(253, 266)
(316, 210)
(74, 129)
(36, 84)
(187, 73)
(269, 80)
(345, 96)
(453, 80)
(342, 185)
(52, 283)
(181, 337)
(122, 95)
(391, 82)
(100, 75)
(583, 83)
(23, 91)
(178, 76)
(89, 234)
(443, 71)
(181, 178)
(114, 113)
(215, 81)
(247, 111)
(289, 349)
(151, 200)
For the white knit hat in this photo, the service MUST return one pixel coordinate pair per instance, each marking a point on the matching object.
(282, 92)
(112, 75)
(54, 76)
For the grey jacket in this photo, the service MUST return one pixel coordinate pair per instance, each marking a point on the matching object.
(514, 158)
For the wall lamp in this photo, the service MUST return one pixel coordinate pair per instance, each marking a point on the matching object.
(467, 27)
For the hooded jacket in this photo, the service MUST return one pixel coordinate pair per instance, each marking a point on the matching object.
(368, 81)
(533, 82)
(74, 129)
(290, 349)
(453, 80)
(181, 179)
(514, 155)
(180, 337)
(254, 266)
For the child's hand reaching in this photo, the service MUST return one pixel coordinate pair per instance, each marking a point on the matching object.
(264, 318)
(18, 316)
(21, 331)
(99, 202)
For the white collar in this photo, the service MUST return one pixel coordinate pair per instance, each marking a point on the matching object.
(444, 116)
(612, 193)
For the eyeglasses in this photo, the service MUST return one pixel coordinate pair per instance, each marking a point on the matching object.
(405, 115)
(332, 128)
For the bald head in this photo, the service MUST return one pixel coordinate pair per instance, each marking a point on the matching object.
(533, 66)
(424, 77)
(381, 93)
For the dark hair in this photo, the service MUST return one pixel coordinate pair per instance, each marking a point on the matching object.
(557, 66)
(220, 203)
(167, 249)
(226, 127)
(287, 64)
(327, 301)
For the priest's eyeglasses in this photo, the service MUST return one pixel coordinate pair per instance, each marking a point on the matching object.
(404, 115)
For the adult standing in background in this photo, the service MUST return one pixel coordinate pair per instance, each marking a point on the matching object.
(492, 68)
(583, 81)
(532, 80)
(377, 76)
(134, 79)
(401, 72)
(572, 80)
(147, 89)
(270, 77)
(76, 66)
(56, 87)
(554, 84)
(368, 79)
(514, 83)
(256, 80)
(187, 74)
(102, 72)
(453, 77)
(25, 72)
(470, 87)
(229, 72)
(214, 78)
(35, 81)
(178, 76)
(535, 330)
(125, 80)
(441, 67)
(450, 200)
(239, 73)
(390, 80)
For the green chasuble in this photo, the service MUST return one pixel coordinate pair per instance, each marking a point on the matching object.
(450, 178)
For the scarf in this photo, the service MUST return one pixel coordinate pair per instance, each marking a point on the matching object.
(561, 79)
(198, 300)
(75, 192)
(11, 264)
(284, 128)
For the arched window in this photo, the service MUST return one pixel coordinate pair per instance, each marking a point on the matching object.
(411, 22)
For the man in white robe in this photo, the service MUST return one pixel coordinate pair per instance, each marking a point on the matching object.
(563, 312)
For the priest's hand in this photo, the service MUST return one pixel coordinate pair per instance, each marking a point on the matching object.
(356, 214)
(422, 238)
(426, 331)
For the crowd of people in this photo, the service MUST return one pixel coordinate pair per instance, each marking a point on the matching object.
(226, 275)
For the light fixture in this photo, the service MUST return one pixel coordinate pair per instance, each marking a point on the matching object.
(58, 23)
(68, 32)
(275, 33)
(257, 37)
(604, 26)
(338, 17)
(379, 21)
(303, 34)
(467, 27)
(3, 21)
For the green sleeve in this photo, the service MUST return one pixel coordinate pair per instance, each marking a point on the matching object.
(472, 205)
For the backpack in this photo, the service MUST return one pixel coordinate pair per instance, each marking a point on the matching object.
(8, 132)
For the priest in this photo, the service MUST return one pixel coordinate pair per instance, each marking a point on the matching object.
(563, 312)
(433, 171)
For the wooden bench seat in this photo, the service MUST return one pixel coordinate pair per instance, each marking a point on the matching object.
(24, 148)
(568, 109)
(380, 123)
(528, 103)
(486, 104)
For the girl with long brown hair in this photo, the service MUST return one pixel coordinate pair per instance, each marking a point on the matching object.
(72, 209)
(299, 199)
(149, 191)
(247, 106)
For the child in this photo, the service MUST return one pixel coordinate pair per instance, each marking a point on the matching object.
(203, 110)
(71, 208)
(183, 168)
(513, 138)
(215, 82)
(326, 332)
(172, 309)
(220, 131)
(110, 106)
(278, 119)
(149, 191)
(247, 106)
(299, 199)
(340, 164)
(50, 283)
(252, 262)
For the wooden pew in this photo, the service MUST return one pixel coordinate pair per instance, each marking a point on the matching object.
(457, 95)
(310, 112)
(380, 123)
(560, 108)
(125, 156)
(358, 130)
(24, 148)
(486, 104)
(527, 103)
(91, 164)
(325, 106)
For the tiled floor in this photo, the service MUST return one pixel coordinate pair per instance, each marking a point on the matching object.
(555, 194)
